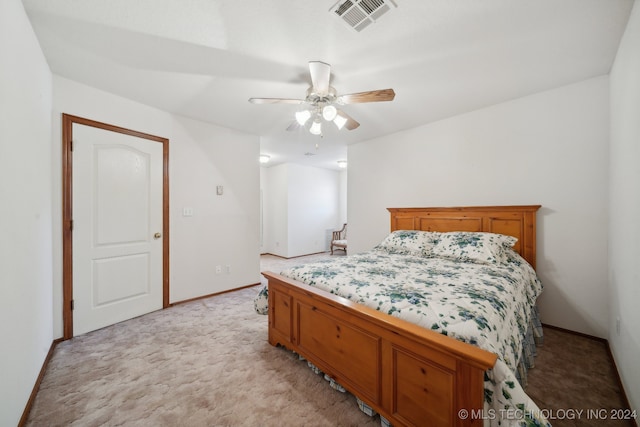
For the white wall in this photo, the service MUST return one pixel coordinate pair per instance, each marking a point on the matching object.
(313, 208)
(263, 212)
(343, 198)
(25, 210)
(224, 230)
(624, 227)
(548, 149)
(275, 187)
(302, 206)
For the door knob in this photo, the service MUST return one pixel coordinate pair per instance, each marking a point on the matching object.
(157, 236)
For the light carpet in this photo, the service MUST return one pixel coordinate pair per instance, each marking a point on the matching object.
(202, 363)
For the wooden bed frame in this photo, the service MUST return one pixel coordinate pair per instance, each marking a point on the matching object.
(408, 374)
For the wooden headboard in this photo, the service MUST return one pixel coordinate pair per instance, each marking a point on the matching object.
(516, 221)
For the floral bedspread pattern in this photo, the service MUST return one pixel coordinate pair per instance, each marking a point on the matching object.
(485, 304)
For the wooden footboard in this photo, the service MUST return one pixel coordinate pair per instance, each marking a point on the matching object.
(410, 375)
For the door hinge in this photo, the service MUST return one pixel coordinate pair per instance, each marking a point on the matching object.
(71, 145)
(71, 225)
(72, 305)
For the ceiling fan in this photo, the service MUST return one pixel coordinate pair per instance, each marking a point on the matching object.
(322, 102)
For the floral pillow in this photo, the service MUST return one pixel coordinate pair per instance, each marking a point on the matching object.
(410, 242)
(487, 248)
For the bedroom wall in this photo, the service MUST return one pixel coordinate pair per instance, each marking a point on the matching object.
(550, 148)
(224, 230)
(303, 206)
(263, 212)
(342, 215)
(624, 208)
(314, 196)
(25, 214)
(276, 215)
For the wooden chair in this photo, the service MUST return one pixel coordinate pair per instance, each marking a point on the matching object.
(339, 239)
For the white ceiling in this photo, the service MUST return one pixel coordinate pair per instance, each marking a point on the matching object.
(204, 58)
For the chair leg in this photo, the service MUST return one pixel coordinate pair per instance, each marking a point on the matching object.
(331, 249)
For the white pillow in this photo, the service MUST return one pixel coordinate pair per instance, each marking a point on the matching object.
(479, 247)
(410, 242)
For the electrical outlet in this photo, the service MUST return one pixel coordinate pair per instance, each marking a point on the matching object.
(218, 269)
(227, 269)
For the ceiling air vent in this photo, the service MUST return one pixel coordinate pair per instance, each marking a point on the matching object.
(359, 14)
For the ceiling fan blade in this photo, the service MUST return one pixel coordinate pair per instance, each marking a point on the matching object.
(293, 126)
(275, 101)
(370, 96)
(350, 123)
(320, 76)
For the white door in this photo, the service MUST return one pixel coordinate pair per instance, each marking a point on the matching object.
(117, 226)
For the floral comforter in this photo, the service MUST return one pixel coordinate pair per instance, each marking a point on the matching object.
(487, 305)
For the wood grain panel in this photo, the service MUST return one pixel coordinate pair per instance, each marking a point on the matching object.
(468, 378)
(509, 227)
(403, 222)
(350, 353)
(422, 391)
(442, 224)
(281, 305)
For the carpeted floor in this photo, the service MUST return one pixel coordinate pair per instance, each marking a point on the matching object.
(575, 381)
(208, 363)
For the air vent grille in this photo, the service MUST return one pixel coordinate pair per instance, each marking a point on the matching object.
(371, 5)
(359, 14)
(354, 16)
(342, 8)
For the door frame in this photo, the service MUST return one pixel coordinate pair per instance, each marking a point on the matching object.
(67, 212)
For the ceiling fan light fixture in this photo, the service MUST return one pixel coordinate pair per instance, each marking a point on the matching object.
(339, 121)
(329, 112)
(322, 101)
(264, 158)
(316, 128)
(302, 116)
